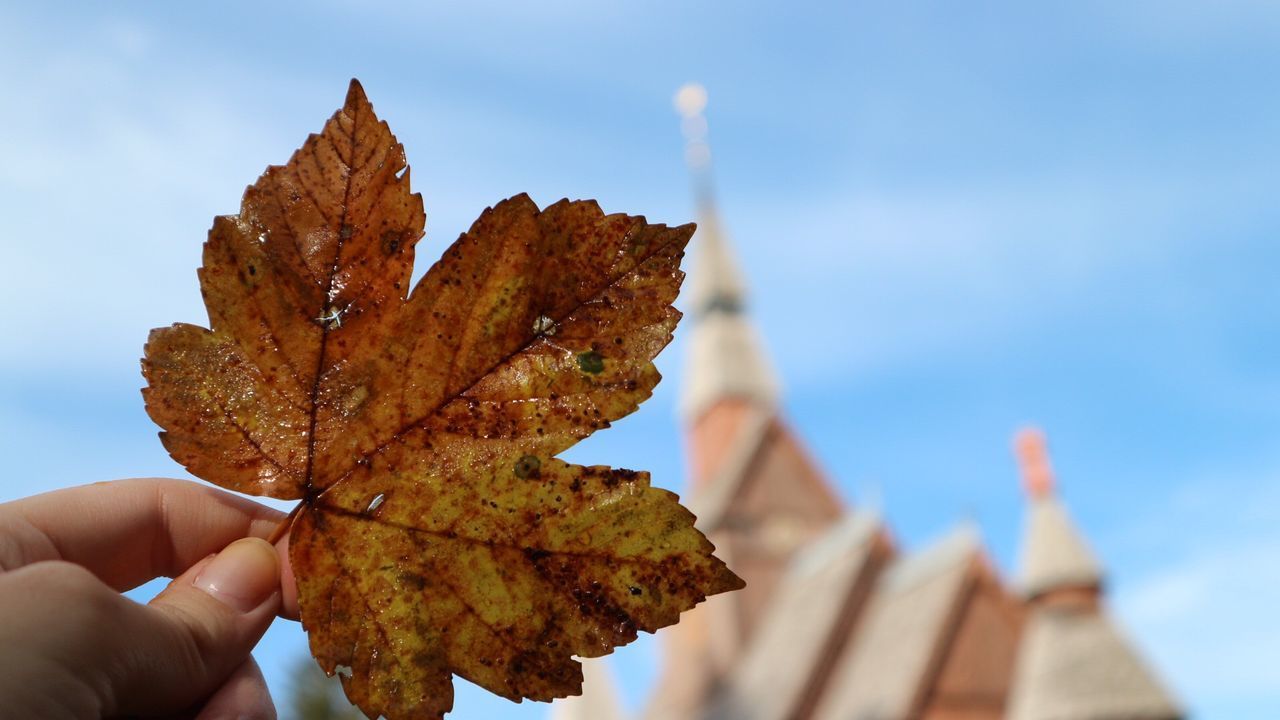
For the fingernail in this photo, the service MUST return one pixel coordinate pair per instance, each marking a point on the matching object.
(243, 575)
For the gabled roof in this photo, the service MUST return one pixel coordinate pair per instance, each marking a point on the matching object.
(763, 440)
(1075, 666)
(794, 638)
(711, 505)
(599, 698)
(881, 672)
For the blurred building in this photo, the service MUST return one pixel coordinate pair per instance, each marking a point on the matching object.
(836, 622)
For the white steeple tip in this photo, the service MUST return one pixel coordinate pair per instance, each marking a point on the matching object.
(690, 99)
(1054, 553)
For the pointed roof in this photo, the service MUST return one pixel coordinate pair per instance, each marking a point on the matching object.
(599, 698)
(1054, 552)
(726, 359)
(711, 505)
(1076, 666)
(717, 282)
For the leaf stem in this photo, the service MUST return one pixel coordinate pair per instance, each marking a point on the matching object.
(283, 528)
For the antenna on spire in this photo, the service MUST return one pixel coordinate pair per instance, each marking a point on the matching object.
(690, 101)
(1032, 451)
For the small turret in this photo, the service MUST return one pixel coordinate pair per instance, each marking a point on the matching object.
(1072, 664)
(1057, 563)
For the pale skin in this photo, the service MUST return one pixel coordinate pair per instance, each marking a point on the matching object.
(72, 647)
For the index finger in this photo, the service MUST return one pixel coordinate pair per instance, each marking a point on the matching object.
(129, 531)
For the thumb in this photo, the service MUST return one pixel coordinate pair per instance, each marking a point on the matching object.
(193, 635)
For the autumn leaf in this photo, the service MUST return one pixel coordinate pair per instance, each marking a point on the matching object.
(437, 532)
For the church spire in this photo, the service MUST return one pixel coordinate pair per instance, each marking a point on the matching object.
(726, 361)
(1055, 555)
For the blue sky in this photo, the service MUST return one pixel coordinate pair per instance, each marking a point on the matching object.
(954, 220)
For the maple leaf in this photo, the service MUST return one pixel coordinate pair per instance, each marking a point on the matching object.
(437, 532)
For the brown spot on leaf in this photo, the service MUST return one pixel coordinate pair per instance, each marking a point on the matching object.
(390, 242)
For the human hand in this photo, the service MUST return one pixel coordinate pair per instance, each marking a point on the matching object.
(72, 647)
